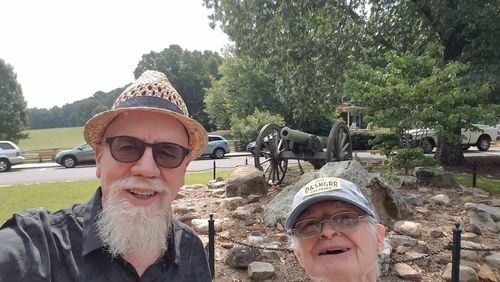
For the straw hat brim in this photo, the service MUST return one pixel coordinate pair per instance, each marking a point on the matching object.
(198, 138)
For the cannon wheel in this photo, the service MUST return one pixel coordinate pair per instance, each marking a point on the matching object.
(268, 145)
(339, 146)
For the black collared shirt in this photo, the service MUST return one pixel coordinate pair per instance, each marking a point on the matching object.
(37, 245)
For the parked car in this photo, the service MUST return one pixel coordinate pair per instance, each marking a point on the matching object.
(78, 155)
(10, 155)
(427, 138)
(217, 147)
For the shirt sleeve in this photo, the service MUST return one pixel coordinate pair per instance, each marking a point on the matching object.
(24, 251)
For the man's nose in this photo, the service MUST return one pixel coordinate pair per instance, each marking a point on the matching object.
(146, 165)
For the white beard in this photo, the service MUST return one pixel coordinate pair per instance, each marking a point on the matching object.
(128, 229)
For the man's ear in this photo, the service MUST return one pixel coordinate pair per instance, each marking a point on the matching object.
(380, 232)
(98, 156)
(298, 255)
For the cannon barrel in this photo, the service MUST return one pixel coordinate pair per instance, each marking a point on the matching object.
(296, 135)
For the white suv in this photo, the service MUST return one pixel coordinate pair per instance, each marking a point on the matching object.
(10, 155)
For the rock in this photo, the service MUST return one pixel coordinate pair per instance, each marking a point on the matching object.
(468, 254)
(253, 198)
(242, 213)
(201, 225)
(419, 258)
(409, 228)
(440, 199)
(183, 207)
(260, 270)
(413, 199)
(385, 255)
(483, 218)
(186, 218)
(493, 260)
(404, 181)
(387, 201)
(469, 236)
(241, 256)
(216, 184)
(402, 240)
(436, 233)
(466, 274)
(486, 274)
(406, 272)
(246, 180)
(232, 203)
(435, 177)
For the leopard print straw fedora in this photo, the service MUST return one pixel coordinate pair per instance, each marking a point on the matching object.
(151, 92)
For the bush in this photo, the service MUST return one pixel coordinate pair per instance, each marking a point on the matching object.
(410, 158)
(385, 143)
(246, 129)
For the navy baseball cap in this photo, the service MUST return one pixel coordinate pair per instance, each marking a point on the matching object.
(327, 189)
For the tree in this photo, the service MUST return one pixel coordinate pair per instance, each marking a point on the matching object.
(303, 46)
(421, 94)
(464, 31)
(189, 72)
(243, 87)
(13, 113)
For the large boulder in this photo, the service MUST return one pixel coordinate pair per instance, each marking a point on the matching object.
(387, 201)
(246, 180)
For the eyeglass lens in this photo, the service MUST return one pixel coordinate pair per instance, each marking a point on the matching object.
(340, 222)
(127, 149)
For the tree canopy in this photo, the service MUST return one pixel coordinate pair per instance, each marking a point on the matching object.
(13, 113)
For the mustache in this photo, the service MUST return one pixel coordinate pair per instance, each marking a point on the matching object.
(135, 182)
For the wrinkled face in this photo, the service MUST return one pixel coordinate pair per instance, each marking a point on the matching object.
(148, 127)
(349, 255)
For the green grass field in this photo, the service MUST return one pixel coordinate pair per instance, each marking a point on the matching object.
(52, 138)
(58, 195)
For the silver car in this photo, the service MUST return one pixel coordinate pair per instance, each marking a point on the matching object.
(10, 155)
(78, 155)
(217, 147)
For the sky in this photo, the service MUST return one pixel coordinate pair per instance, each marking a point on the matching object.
(65, 50)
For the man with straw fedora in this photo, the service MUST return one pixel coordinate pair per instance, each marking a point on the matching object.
(126, 231)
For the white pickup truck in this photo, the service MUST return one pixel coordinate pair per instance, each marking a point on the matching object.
(427, 139)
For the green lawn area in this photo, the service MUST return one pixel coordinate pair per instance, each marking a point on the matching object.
(486, 184)
(58, 195)
(52, 138)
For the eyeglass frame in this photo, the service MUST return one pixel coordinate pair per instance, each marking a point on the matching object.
(319, 224)
(109, 141)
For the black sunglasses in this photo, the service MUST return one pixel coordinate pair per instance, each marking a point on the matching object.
(127, 149)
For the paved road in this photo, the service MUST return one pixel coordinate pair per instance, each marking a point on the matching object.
(52, 172)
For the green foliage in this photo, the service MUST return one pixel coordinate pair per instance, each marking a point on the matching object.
(243, 87)
(384, 143)
(13, 114)
(422, 94)
(73, 114)
(190, 72)
(246, 129)
(303, 46)
(410, 158)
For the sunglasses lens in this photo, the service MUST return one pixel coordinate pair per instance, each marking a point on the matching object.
(169, 155)
(126, 149)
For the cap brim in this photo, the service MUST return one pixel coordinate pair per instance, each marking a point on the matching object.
(297, 211)
(198, 138)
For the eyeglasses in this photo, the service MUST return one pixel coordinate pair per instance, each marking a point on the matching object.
(127, 149)
(309, 228)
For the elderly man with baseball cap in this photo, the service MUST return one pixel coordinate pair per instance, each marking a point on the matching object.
(335, 232)
(126, 231)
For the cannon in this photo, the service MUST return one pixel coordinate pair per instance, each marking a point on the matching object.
(276, 145)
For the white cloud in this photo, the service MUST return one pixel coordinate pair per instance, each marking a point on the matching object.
(63, 51)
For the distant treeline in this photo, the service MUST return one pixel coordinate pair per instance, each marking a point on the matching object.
(74, 114)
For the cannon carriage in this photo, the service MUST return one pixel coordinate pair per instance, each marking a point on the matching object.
(276, 145)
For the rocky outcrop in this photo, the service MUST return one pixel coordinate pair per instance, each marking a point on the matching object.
(387, 201)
